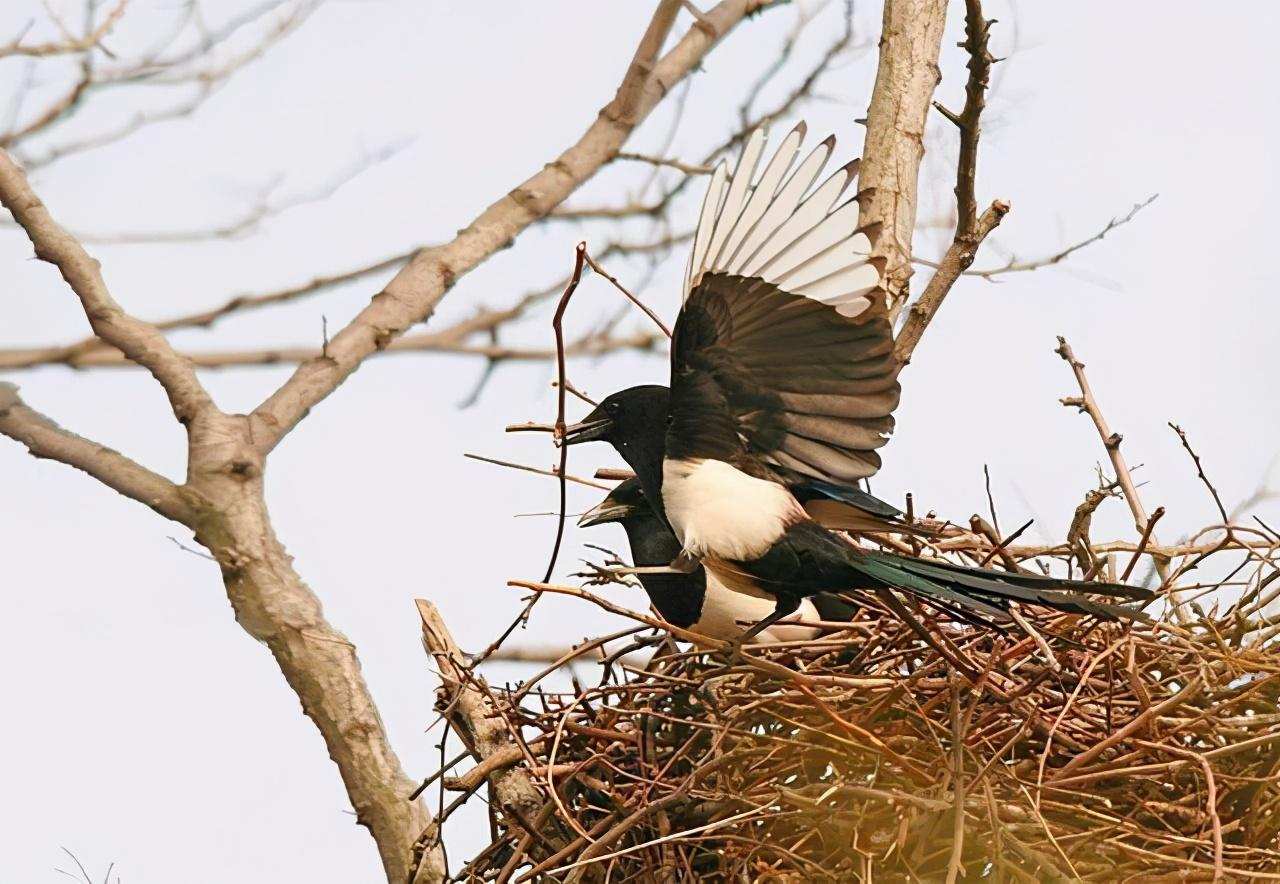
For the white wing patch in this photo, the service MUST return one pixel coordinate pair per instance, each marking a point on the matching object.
(774, 227)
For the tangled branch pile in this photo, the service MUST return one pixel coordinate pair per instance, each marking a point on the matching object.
(1072, 750)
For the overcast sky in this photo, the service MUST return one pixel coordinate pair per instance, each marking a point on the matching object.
(143, 727)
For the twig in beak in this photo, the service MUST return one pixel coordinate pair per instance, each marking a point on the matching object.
(531, 427)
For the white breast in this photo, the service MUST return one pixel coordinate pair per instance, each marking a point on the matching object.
(727, 614)
(717, 510)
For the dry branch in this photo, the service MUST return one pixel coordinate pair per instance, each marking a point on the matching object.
(971, 230)
(959, 256)
(1014, 265)
(68, 45)
(414, 292)
(466, 702)
(1111, 441)
(45, 439)
(91, 352)
(905, 79)
(140, 342)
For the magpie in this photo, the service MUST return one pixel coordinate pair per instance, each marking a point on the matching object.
(782, 376)
(696, 600)
(624, 419)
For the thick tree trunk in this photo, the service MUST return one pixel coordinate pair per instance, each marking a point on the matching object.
(275, 606)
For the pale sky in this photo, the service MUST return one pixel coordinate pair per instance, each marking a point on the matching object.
(144, 728)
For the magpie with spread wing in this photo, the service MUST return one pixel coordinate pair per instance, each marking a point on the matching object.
(783, 378)
(698, 601)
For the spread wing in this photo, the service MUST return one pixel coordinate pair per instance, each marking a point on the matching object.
(783, 340)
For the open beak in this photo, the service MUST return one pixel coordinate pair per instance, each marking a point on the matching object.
(606, 511)
(591, 428)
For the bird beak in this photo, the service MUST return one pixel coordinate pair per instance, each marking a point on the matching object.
(604, 512)
(587, 431)
(594, 426)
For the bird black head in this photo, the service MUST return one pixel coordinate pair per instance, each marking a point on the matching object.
(652, 542)
(634, 422)
(623, 504)
(625, 419)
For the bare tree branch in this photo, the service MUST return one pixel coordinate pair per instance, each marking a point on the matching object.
(413, 294)
(69, 45)
(262, 209)
(1111, 441)
(686, 168)
(959, 255)
(158, 67)
(92, 352)
(141, 120)
(467, 704)
(970, 229)
(1013, 265)
(905, 79)
(428, 342)
(137, 340)
(54, 110)
(45, 439)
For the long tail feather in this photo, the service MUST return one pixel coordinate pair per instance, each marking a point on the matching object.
(990, 592)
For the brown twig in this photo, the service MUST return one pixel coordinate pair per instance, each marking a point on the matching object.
(1217, 498)
(557, 324)
(1142, 544)
(630, 297)
(528, 469)
(1015, 266)
(1111, 441)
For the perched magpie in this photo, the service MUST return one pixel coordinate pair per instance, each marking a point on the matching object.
(782, 378)
(697, 601)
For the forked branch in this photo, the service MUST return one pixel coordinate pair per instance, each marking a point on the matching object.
(1111, 442)
(971, 229)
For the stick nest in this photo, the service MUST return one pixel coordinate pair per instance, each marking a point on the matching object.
(1092, 751)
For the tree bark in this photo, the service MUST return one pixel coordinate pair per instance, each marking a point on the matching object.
(905, 79)
(229, 516)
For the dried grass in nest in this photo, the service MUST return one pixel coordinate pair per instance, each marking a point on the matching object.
(1149, 752)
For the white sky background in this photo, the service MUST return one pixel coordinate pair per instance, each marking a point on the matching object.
(142, 726)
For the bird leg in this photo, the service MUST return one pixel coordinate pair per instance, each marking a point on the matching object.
(685, 563)
(784, 606)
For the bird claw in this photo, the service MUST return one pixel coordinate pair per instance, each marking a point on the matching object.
(600, 575)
